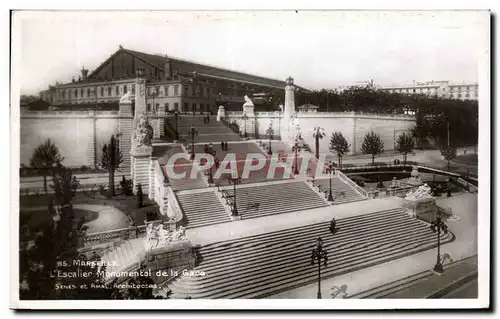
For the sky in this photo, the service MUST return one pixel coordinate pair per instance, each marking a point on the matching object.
(319, 49)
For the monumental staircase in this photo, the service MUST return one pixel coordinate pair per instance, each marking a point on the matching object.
(266, 264)
(341, 192)
(201, 209)
(125, 257)
(207, 132)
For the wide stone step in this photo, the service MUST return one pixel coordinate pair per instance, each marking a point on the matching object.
(259, 265)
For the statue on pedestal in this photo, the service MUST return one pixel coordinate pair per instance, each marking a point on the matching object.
(143, 133)
(126, 98)
(422, 192)
(415, 177)
(248, 102)
(162, 236)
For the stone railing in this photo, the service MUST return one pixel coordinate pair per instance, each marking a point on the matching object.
(354, 114)
(174, 211)
(471, 187)
(268, 114)
(352, 184)
(115, 235)
(160, 183)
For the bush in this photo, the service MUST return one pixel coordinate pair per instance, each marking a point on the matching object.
(84, 168)
(126, 185)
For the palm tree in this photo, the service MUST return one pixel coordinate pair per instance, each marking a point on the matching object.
(45, 157)
(318, 133)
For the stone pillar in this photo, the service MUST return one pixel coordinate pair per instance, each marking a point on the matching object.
(140, 95)
(221, 113)
(161, 120)
(152, 178)
(289, 110)
(141, 167)
(125, 119)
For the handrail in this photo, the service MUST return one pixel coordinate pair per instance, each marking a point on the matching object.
(349, 182)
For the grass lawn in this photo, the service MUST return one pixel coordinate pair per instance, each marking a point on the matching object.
(469, 159)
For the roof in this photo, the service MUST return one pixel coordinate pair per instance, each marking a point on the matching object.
(186, 67)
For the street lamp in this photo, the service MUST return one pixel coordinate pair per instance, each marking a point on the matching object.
(234, 181)
(295, 148)
(330, 170)
(270, 132)
(176, 117)
(317, 255)
(245, 117)
(192, 133)
(437, 226)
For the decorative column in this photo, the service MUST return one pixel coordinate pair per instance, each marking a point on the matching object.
(141, 151)
(161, 121)
(125, 127)
(249, 121)
(289, 114)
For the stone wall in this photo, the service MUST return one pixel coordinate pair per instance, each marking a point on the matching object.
(79, 136)
(353, 126)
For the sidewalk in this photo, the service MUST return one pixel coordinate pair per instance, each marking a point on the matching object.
(465, 245)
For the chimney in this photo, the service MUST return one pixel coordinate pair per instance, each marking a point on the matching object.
(167, 70)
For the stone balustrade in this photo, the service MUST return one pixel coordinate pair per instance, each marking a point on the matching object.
(352, 184)
(115, 235)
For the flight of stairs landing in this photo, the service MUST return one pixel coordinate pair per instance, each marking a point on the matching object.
(342, 193)
(202, 209)
(278, 198)
(266, 264)
(212, 132)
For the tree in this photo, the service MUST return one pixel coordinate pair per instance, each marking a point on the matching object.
(45, 157)
(373, 145)
(52, 251)
(404, 145)
(111, 159)
(318, 134)
(339, 145)
(139, 196)
(449, 153)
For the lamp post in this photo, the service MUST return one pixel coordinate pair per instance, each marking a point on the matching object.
(192, 133)
(295, 148)
(234, 181)
(176, 117)
(317, 255)
(437, 226)
(270, 132)
(330, 170)
(245, 117)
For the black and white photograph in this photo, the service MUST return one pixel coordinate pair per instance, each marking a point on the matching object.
(244, 159)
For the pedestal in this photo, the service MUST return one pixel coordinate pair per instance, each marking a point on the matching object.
(168, 261)
(141, 167)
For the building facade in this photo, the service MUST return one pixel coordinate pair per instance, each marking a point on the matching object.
(171, 83)
(443, 89)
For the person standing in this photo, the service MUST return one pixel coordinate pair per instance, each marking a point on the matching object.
(205, 149)
(222, 146)
(225, 146)
(208, 118)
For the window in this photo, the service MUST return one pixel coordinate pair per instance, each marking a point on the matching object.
(149, 107)
(166, 107)
(186, 89)
(88, 92)
(157, 91)
(166, 90)
(176, 106)
(125, 89)
(102, 91)
(109, 90)
(81, 92)
(63, 94)
(157, 107)
(194, 106)
(133, 88)
(186, 107)
(208, 91)
(76, 93)
(117, 91)
(413, 90)
(176, 90)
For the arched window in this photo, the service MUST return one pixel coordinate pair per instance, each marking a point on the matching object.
(63, 94)
(166, 90)
(102, 91)
(109, 90)
(117, 91)
(124, 89)
(88, 92)
(81, 92)
(76, 93)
